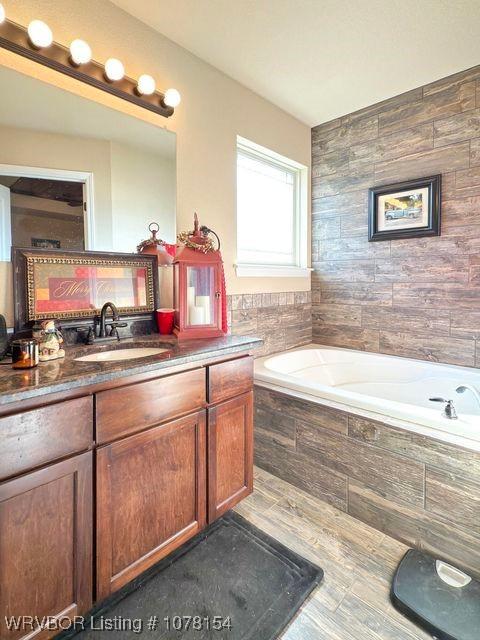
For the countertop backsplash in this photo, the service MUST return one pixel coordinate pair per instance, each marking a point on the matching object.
(282, 320)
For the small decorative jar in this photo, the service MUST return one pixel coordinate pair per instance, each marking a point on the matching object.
(24, 354)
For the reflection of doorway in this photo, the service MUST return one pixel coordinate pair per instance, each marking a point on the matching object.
(46, 209)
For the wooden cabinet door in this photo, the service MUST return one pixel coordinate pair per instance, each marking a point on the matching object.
(230, 454)
(46, 546)
(151, 498)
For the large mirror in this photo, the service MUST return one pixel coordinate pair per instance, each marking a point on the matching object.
(77, 175)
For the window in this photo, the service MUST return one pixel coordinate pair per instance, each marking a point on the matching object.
(271, 213)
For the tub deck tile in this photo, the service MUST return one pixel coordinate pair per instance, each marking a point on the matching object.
(390, 475)
(424, 492)
(277, 406)
(421, 448)
(300, 470)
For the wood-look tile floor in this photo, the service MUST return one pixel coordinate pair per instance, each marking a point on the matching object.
(352, 603)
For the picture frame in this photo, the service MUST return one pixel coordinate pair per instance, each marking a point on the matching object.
(45, 243)
(74, 285)
(409, 209)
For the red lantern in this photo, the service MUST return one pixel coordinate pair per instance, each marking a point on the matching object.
(156, 247)
(198, 286)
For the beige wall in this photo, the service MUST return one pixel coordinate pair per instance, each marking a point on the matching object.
(143, 190)
(213, 111)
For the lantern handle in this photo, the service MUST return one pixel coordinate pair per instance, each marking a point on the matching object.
(154, 228)
(205, 231)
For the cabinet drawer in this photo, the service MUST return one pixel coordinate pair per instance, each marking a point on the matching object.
(229, 379)
(126, 410)
(33, 438)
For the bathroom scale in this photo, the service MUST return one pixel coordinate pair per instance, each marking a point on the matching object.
(437, 596)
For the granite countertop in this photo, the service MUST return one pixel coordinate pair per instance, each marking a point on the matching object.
(67, 373)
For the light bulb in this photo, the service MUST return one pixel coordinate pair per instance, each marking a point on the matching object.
(114, 69)
(40, 34)
(2, 13)
(80, 52)
(171, 98)
(146, 85)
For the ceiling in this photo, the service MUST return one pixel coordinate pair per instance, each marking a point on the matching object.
(320, 59)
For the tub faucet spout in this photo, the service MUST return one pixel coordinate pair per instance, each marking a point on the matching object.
(469, 387)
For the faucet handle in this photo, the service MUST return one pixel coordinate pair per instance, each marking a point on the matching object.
(114, 329)
(449, 411)
(88, 331)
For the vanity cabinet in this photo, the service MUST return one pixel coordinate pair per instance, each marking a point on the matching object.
(151, 497)
(167, 454)
(46, 545)
(230, 454)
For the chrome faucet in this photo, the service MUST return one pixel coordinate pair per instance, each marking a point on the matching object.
(469, 387)
(449, 410)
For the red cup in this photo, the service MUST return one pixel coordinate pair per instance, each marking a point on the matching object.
(165, 319)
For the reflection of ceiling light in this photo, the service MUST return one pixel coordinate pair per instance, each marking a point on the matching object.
(40, 34)
(2, 14)
(114, 69)
(172, 98)
(146, 85)
(80, 52)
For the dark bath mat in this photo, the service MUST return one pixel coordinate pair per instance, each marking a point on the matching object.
(230, 573)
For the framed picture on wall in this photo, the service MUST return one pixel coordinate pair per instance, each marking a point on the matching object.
(405, 210)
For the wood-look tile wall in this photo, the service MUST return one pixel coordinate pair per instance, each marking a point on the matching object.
(419, 490)
(283, 320)
(418, 298)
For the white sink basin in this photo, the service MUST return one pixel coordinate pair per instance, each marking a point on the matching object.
(121, 354)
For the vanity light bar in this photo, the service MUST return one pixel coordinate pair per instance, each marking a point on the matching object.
(37, 44)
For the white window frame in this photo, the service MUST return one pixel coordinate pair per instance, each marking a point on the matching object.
(66, 175)
(300, 269)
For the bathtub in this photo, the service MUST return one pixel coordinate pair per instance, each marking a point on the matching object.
(386, 388)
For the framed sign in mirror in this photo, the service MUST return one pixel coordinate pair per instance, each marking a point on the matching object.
(74, 285)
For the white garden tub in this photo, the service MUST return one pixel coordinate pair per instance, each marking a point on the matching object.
(386, 388)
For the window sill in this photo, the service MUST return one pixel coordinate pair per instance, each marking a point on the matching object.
(271, 271)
